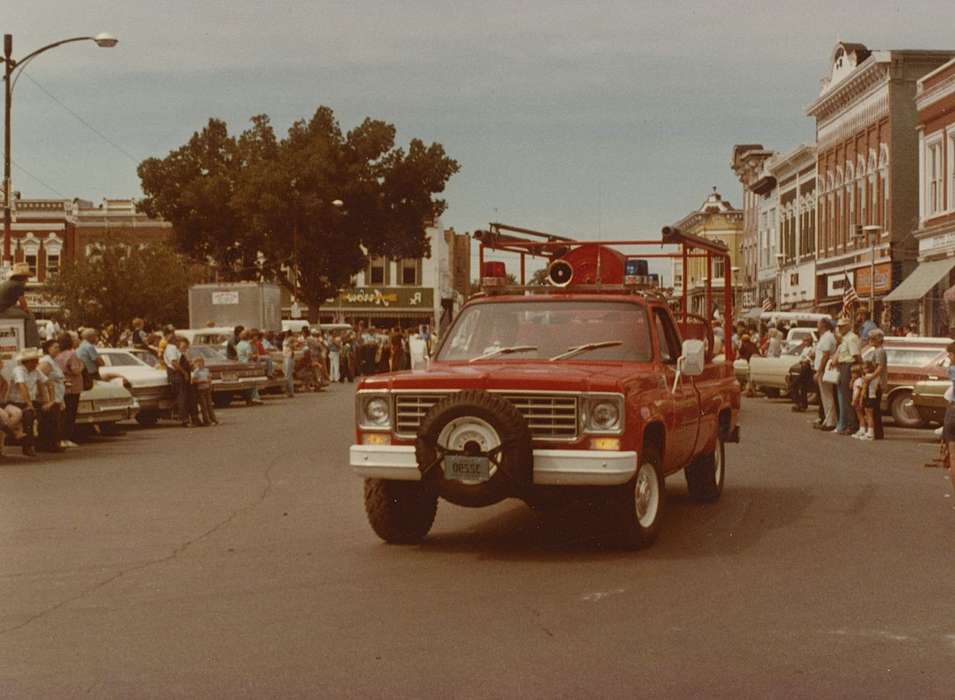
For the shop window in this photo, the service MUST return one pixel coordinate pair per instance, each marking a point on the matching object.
(30, 259)
(934, 184)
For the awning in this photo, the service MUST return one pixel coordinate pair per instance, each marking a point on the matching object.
(922, 279)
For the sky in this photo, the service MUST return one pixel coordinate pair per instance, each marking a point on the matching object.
(597, 119)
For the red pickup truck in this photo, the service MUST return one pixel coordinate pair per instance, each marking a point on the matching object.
(572, 390)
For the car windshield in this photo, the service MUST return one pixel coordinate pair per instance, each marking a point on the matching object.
(552, 328)
(207, 352)
(122, 359)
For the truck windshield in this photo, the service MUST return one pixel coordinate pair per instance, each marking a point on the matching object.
(553, 328)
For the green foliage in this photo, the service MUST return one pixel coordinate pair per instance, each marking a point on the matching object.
(258, 206)
(120, 282)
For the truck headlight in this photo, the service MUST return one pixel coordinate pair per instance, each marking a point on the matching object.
(374, 411)
(602, 414)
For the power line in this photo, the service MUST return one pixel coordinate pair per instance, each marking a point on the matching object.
(38, 180)
(83, 121)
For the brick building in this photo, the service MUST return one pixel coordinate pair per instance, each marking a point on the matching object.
(935, 102)
(867, 170)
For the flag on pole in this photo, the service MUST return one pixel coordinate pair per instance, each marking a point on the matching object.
(767, 304)
(849, 296)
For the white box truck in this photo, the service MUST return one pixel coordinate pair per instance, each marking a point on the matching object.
(249, 304)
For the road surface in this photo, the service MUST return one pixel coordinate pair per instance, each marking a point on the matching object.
(236, 562)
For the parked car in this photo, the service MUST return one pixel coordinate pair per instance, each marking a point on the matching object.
(147, 384)
(771, 374)
(105, 405)
(928, 397)
(228, 376)
(910, 360)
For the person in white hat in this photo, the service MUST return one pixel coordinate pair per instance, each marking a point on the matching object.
(30, 393)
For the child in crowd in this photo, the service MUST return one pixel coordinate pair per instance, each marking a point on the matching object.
(869, 400)
(203, 386)
(858, 395)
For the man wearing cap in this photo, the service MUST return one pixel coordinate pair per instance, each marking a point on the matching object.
(30, 392)
(13, 289)
(848, 353)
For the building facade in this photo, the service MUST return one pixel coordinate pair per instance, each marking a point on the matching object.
(867, 171)
(747, 162)
(794, 174)
(716, 219)
(409, 292)
(935, 274)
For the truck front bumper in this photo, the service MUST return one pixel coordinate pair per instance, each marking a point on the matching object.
(551, 467)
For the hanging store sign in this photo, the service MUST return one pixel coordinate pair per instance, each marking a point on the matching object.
(387, 298)
(883, 279)
(225, 298)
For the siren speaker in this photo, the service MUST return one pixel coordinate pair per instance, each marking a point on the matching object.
(560, 273)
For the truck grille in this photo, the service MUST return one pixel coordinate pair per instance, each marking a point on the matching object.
(549, 416)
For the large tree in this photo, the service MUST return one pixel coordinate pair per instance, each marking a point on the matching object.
(120, 281)
(307, 210)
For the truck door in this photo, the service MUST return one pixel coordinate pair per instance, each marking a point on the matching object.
(682, 406)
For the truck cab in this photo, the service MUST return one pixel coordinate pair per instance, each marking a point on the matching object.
(551, 395)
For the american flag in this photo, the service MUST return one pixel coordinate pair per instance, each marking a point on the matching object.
(849, 296)
(767, 304)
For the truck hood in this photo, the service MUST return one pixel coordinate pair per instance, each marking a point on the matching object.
(524, 376)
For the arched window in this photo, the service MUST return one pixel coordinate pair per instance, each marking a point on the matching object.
(30, 248)
(53, 249)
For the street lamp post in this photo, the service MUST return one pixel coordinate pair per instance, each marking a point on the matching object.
(865, 231)
(12, 68)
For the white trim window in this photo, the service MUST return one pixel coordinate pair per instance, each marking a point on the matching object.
(934, 176)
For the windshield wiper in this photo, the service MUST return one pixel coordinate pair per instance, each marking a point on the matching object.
(504, 351)
(587, 347)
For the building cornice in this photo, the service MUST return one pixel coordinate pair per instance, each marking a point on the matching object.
(870, 73)
(936, 93)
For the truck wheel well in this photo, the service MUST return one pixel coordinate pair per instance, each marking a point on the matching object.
(655, 435)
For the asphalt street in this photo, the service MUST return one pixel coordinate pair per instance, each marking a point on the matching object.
(236, 562)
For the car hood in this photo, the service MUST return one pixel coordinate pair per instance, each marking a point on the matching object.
(524, 376)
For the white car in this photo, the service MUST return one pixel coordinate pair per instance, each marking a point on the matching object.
(147, 384)
(771, 374)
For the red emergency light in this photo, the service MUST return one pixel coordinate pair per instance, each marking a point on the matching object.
(493, 274)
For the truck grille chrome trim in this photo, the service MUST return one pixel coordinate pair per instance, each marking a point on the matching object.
(550, 417)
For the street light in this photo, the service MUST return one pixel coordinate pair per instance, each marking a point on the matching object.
(863, 233)
(11, 66)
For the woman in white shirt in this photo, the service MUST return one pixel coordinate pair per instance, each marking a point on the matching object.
(57, 385)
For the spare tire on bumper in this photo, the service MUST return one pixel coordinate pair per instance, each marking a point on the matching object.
(471, 427)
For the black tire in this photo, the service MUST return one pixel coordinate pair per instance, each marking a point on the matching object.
(903, 411)
(632, 531)
(147, 419)
(400, 512)
(771, 392)
(221, 399)
(705, 475)
(515, 461)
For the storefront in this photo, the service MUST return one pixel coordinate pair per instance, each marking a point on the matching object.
(382, 306)
(798, 287)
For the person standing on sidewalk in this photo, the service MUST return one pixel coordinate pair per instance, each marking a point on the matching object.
(848, 353)
(172, 360)
(202, 383)
(72, 368)
(246, 354)
(289, 345)
(878, 380)
(825, 347)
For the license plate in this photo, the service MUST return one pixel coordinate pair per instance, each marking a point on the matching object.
(229, 377)
(462, 468)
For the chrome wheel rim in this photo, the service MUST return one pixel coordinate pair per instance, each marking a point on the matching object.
(647, 495)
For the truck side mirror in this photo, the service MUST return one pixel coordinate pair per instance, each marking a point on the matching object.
(693, 359)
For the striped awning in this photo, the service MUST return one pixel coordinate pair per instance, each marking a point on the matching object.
(921, 280)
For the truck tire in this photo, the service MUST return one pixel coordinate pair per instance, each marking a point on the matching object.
(636, 508)
(903, 410)
(221, 399)
(481, 424)
(400, 512)
(704, 476)
(771, 392)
